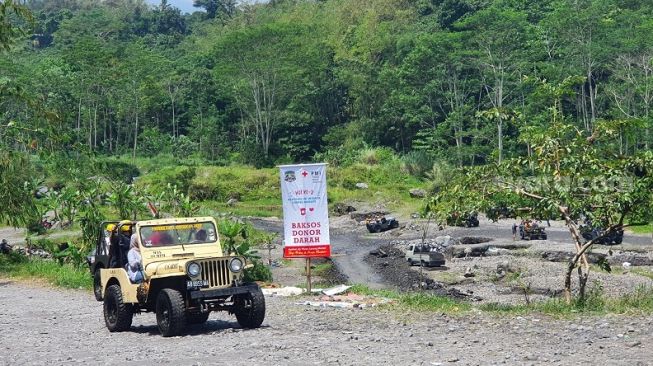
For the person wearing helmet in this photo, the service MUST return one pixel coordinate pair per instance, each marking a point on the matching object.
(119, 244)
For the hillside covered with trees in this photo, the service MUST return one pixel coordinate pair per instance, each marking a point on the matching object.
(459, 81)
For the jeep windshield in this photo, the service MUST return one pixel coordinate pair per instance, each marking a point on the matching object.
(177, 234)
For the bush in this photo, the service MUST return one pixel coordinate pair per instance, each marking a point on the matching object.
(259, 272)
(179, 176)
(417, 163)
(117, 170)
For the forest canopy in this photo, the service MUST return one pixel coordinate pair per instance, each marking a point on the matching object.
(294, 80)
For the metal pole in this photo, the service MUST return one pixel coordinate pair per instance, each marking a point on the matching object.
(308, 275)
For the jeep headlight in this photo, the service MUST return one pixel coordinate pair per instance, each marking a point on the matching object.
(236, 265)
(194, 269)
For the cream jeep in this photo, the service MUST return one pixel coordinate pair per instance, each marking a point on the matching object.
(186, 276)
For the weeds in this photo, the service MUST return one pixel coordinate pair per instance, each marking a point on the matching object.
(416, 301)
(68, 276)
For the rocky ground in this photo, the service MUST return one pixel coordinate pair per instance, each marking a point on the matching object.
(41, 325)
(484, 264)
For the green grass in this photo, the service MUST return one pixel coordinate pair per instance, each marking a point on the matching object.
(258, 190)
(641, 301)
(416, 301)
(22, 268)
(642, 272)
(644, 229)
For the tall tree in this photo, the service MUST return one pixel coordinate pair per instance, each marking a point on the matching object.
(501, 35)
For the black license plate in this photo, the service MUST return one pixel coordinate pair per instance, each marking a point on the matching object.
(197, 283)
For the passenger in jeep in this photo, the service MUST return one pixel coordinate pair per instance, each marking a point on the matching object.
(135, 266)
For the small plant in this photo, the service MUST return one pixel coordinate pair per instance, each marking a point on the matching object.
(258, 272)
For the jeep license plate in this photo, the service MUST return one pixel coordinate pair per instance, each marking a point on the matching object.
(197, 283)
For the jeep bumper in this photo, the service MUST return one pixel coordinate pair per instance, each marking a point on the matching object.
(222, 292)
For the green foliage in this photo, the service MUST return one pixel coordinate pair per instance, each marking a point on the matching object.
(117, 170)
(10, 28)
(258, 272)
(168, 176)
(415, 301)
(68, 276)
(19, 207)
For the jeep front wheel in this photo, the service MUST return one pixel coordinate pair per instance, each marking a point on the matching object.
(170, 312)
(117, 315)
(250, 309)
(197, 318)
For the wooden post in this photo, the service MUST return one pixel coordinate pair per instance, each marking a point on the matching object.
(308, 275)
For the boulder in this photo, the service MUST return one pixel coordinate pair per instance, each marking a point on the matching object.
(343, 209)
(469, 273)
(443, 241)
(417, 193)
(232, 202)
(41, 192)
(362, 186)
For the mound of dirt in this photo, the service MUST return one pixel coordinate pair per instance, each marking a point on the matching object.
(390, 263)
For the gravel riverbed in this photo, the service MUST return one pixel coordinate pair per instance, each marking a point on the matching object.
(42, 326)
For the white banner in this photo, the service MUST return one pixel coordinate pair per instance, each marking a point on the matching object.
(305, 211)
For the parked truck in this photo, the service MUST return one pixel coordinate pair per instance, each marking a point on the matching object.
(424, 255)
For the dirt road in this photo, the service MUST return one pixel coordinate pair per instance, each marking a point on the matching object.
(62, 327)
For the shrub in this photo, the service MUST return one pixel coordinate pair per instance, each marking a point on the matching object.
(258, 272)
(179, 176)
(417, 163)
(117, 170)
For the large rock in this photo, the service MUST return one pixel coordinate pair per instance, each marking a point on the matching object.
(443, 241)
(362, 186)
(417, 193)
(343, 209)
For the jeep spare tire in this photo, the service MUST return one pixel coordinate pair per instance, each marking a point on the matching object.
(170, 312)
(117, 315)
(250, 309)
(97, 286)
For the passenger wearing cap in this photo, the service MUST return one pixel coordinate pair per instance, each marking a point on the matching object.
(124, 237)
(134, 265)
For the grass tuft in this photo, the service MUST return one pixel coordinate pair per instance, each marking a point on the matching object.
(67, 276)
(416, 301)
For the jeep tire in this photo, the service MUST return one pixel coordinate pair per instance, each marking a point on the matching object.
(197, 318)
(97, 286)
(117, 315)
(170, 312)
(252, 316)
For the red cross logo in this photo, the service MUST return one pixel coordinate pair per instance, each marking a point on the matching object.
(304, 173)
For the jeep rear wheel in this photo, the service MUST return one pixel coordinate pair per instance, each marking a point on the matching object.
(97, 286)
(170, 312)
(197, 318)
(117, 315)
(250, 309)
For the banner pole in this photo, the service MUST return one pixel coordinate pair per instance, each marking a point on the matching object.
(308, 274)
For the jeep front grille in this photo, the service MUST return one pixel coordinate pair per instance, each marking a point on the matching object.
(216, 272)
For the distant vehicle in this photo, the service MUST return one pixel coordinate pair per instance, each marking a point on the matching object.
(529, 230)
(466, 219)
(594, 233)
(383, 223)
(424, 255)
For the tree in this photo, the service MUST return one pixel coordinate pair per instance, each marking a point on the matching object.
(572, 175)
(501, 35)
(215, 8)
(11, 15)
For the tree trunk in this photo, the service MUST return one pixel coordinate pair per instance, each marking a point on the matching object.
(135, 131)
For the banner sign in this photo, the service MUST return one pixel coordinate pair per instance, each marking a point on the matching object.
(305, 211)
